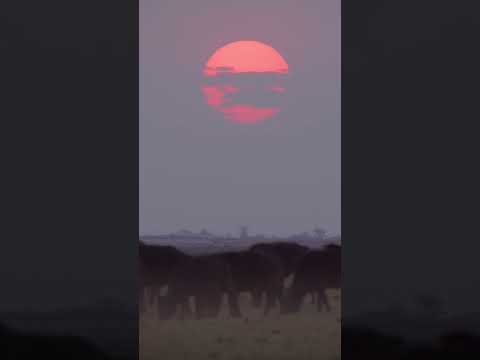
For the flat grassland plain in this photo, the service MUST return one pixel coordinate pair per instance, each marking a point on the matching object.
(306, 335)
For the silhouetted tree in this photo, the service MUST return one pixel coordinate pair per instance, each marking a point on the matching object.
(243, 232)
(320, 233)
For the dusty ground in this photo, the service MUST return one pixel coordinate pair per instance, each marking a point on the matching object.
(306, 335)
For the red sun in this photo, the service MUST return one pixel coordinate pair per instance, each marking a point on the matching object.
(245, 81)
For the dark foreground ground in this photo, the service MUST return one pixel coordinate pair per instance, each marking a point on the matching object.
(364, 343)
(16, 344)
(356, 344)
(93, 333)
(400, 335)
(75, 335)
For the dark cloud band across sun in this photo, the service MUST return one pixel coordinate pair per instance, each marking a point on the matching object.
(235, 70)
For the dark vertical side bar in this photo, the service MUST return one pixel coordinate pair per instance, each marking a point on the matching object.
(409, 184)
(69, 235)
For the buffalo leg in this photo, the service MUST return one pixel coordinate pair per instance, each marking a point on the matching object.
(184, 309)
(213, 304)
(154, 294)
(322, 299)
(256, 298)
(187, 311)
(233, 304)
(271, 297)
(279, 294)
(274, 294)
(199, 307)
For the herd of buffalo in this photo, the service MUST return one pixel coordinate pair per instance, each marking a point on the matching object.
(260, 270)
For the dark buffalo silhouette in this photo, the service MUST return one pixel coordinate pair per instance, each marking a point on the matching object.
(317, 271)
(288, 252)
(205, 278)
(257, 273)
(156, 263)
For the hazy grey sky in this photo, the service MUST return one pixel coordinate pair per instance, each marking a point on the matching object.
(199, 171)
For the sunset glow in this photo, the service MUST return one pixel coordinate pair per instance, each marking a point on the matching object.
(248, 114)
(235, 71)
(245, 56)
